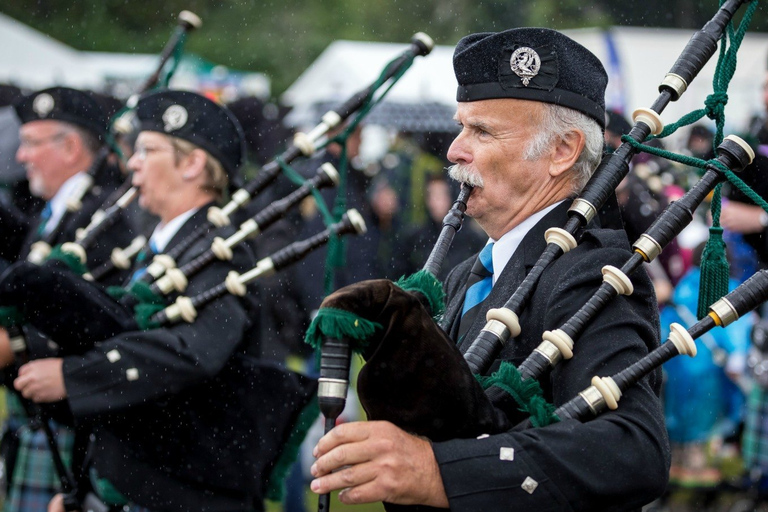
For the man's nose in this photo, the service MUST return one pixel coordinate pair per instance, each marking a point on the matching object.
(134, 163)
(459, 153)
(21, 154)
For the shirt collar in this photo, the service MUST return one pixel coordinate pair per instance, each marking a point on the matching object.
(164, 232)
(505, 247)
(58, 202)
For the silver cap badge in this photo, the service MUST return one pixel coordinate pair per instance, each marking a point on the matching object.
(174, 118)
(525, 63)
(43, 104)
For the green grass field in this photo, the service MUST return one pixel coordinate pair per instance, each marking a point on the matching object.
(311, 505)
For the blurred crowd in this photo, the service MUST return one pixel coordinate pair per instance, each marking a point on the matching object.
(714, 403)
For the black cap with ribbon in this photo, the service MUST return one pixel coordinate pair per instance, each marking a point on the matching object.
(63, 104)
(536, 64)
(194, 118)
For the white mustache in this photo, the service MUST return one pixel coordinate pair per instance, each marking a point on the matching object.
(463, 174)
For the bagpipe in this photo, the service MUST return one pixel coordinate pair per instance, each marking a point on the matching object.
(416, 377)
(187, 21)
(303, 144)
(605, 392)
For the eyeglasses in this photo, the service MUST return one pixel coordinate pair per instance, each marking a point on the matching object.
(141, 152)
(25, 142)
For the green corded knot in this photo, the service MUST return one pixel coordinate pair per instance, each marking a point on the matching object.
(339, 323)
(527, 393)
(429, 286)
(714, 271)
(69, 259)
(276, 485)
(715, 104)
(10, 316)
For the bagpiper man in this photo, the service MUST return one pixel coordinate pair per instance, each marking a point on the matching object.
(63, 132)
(531, 111)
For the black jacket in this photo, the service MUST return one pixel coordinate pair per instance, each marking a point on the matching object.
(169, 405)
(20, 231)
(618, 461)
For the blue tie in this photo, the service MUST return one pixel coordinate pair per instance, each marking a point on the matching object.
(144, 258)
(45, 216)
(479, 284)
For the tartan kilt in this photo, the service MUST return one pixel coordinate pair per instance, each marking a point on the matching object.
(33, 478)
(755, 439)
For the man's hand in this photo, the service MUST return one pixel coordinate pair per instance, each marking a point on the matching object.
(6, 354)
(377, 461)
(741, 218)
(41, 380)
(56, 504)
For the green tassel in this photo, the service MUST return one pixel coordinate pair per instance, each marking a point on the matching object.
(10, 316)
(144, 313)
(714, 271)
(276, 486)
(429, 286)
(108, 492)
(143, 292)
(116, 292)
(527, 393)
(72, 261)
(339, 323)
(149, 304)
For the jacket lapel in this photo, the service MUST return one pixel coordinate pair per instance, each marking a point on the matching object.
(517, 268)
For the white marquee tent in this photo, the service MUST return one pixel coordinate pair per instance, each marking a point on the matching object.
(33, 60)
(642, 56)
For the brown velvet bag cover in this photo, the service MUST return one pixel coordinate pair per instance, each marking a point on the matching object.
(414, 376)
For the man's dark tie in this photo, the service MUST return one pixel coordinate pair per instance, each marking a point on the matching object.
(479, 284)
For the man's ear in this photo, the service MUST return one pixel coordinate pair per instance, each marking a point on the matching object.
(73, 148)
(194, 164)
(566, 152)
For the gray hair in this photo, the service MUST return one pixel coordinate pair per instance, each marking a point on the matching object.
(555, 123)
(91, 142)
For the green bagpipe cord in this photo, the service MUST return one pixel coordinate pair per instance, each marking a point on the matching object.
(527, 393)
(72, 261)
(429, 286)
(338, 323)
(276, 486)
(714, 266)
(10, 316)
